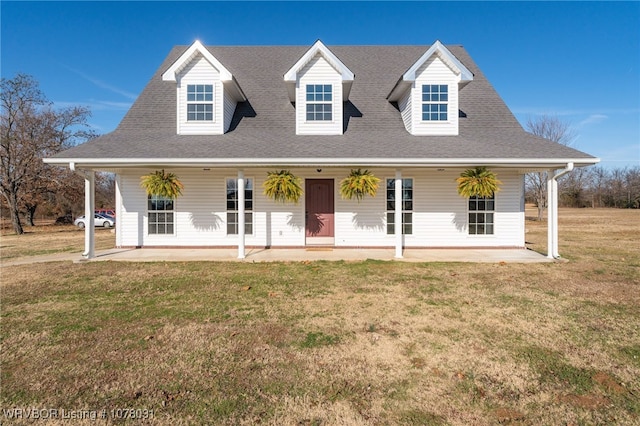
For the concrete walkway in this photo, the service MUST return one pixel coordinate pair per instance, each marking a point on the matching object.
(295, 255)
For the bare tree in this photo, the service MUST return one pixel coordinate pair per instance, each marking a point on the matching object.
(30, 130)
(554, 129)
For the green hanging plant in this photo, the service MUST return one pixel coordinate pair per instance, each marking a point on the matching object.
(478, 182)
(283, 186)
(161, 183)
(358, 184)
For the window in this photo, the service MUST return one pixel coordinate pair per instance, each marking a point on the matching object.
(160, 212)
(200, 102)
(481, 215)
(232, 206)
(319, 102)
(435, 98)
(407, 206)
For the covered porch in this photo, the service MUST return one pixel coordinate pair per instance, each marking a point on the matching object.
(398, 251)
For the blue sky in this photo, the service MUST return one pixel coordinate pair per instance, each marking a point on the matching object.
(577, 60)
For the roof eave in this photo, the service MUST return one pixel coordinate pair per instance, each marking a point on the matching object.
(532, 163)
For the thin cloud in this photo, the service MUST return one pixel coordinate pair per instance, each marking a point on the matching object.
(593, 119)
(96, 105)
(102, 84)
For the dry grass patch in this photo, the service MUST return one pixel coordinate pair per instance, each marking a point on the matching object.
(49, 239)
(334, 343)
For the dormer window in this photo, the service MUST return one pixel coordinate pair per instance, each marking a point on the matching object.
(435, 99)
(318, 85)
(319, 102)
(207, 93)
(200, 102)
(428, 94)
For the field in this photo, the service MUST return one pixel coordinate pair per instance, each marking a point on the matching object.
(329, 343)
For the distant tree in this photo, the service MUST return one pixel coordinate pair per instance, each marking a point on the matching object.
(554, 129)
(31, 129)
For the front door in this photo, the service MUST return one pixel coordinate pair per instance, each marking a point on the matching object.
(319, 211)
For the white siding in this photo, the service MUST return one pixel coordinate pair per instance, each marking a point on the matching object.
(229, 109)
(406, 111)
(318, 71)
(441, 215)
(434, 71)
(439, 218)
(131, 217)
(200, 71)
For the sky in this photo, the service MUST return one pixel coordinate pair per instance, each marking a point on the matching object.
(579, 61)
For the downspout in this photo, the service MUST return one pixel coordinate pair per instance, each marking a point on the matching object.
(553, 212)
(89, 207)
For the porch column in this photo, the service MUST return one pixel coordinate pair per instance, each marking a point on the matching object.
(240, 189)
(398, 214)
(552, 210)
(89, 208)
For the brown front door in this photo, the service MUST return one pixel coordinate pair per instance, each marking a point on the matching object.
(319, 207)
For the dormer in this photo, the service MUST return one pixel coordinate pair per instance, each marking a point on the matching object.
(318, 84)
(427, 94)
(207, 93)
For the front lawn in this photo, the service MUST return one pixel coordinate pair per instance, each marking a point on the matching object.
(325, 343)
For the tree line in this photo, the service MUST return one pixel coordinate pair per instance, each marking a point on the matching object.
(593, 186)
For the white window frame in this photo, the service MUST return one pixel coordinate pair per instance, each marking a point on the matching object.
(488, 216)
(318, 102)
(156, 212)
(200, 98)
(390, 206)
(435, 99)
(248, 211)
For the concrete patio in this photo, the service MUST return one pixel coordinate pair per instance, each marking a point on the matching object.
(295, 255)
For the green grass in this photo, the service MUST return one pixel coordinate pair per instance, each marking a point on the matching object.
(554, 370)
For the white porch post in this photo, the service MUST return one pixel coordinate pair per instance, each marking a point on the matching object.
(240, 189)
(552, 207)
(89, 208)
(398, 214)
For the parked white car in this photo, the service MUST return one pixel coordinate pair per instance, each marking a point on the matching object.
(100, 220)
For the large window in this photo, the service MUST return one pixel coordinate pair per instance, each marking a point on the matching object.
(200, 102)
(481, 215)
(319, 102)
(161, 215)
(435, 98)
(232, 206)
(407, 206)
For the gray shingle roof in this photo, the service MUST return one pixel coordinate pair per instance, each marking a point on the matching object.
(264, 126)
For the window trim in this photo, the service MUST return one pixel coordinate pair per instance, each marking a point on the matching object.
(404, 211)
(173, 212)
(484, 212)
(200, 102)
(424, 102)
(323, 102)
(247, 212)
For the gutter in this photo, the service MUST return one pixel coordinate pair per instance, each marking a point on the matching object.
(564, 171)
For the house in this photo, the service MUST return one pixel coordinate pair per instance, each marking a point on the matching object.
(221, 118)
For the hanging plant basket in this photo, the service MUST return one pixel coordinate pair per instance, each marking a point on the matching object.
(163, 184)
(358, 184)
(478, 182)
(283, 186)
